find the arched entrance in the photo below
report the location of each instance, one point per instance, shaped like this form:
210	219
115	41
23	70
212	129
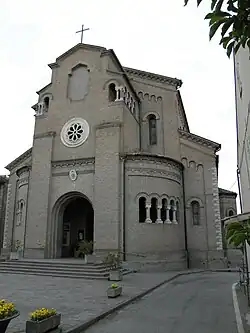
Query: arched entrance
77	224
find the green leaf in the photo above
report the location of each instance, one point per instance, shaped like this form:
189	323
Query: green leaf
219	5
214	28
226	26
213	4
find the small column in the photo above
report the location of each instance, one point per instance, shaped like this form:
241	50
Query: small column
159	220
174	215
167	219
148	220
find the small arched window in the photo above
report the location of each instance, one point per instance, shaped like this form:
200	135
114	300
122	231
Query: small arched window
195	208
231	212
142	209
152	129
164	210
46	103
153	210
177	211
112	92
171	210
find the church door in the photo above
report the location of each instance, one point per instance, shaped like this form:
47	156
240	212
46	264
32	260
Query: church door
78	225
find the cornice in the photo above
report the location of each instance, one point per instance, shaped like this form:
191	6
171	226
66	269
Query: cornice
108	125
77	162
23	170
158	173
45	135
154	77
42	89
19	159
156	159
200	140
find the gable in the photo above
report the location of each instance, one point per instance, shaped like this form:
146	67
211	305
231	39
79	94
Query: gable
20	160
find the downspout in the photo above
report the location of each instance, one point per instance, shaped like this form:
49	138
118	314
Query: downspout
124	210
185	220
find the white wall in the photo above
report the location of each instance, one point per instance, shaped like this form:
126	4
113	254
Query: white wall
242	81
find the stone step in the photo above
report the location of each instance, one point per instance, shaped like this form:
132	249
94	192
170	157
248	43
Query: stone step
56	269
61	275
83	267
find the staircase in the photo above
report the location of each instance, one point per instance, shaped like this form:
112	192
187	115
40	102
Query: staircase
76	269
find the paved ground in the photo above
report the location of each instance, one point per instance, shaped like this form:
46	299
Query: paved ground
77	300
190	304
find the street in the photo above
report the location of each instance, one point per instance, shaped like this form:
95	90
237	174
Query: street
190	304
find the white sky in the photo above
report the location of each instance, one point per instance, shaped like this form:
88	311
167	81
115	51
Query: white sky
160	36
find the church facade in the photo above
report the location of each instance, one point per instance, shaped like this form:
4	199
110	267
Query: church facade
113	160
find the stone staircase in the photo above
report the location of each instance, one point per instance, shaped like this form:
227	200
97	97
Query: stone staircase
57	268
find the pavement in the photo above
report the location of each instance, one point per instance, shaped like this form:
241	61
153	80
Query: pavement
189	304
79	301
242	309
83	302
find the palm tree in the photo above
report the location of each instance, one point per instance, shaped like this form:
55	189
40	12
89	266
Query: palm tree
237	233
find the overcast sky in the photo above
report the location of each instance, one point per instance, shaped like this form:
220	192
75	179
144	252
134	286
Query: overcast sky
160	36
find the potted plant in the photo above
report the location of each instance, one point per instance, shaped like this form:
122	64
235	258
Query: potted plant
113	263
18	250
43	320
82	249
7	313
114	291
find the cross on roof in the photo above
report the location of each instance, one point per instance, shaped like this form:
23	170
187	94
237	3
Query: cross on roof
81	31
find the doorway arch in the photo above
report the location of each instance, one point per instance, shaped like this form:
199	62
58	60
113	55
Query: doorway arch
74	219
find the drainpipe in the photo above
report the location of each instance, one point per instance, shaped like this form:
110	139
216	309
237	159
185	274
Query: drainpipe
185	220
123	211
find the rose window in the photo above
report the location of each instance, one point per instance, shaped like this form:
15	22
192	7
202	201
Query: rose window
75	132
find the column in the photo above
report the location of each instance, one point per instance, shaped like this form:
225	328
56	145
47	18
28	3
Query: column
167	219
174	215
159	214
148	219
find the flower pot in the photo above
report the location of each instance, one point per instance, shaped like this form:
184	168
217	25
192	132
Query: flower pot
115	275
114	292
14	255
43	326
5	322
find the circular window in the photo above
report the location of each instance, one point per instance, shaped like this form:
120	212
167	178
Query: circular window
75	132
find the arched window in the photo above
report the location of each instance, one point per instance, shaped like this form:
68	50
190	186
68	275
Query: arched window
152	129
171	210
153	210
230	212
112	92
164	210
177	211
195	208
46	103
142	209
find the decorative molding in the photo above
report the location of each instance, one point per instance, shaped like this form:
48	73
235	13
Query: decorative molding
200	140
151	98
45	135
23	170
182	114
145	117
155	173
155	160
190	200
107	125
22	182
6	240
66	173
42	89
216	208
70	163
73	175
154	77
19	160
